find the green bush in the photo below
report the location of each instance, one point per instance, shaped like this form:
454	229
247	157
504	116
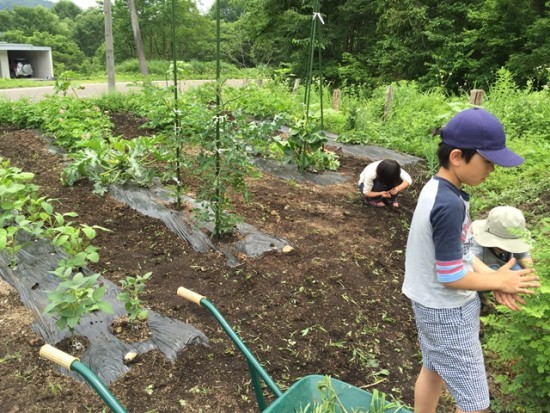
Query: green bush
335	121
272	99
155	67
521	341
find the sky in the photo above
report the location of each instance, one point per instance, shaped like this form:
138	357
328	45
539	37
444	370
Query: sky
203	5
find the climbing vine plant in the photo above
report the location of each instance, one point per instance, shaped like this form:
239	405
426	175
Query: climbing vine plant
223	161
306	139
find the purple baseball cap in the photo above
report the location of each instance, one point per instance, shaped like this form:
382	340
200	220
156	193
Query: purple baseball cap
476	128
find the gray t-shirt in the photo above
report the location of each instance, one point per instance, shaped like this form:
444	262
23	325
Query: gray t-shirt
438	247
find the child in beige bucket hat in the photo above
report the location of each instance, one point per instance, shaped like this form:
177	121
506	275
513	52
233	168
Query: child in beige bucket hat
501	237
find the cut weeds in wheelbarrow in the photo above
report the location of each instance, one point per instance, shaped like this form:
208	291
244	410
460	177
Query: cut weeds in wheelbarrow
310	394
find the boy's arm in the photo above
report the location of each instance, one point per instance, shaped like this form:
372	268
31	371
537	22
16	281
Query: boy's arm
383	194
480	266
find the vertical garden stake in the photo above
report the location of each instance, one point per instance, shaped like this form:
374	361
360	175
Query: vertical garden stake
218	203
312	43
176	110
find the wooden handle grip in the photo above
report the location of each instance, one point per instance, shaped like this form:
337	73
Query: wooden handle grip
190	295
57	356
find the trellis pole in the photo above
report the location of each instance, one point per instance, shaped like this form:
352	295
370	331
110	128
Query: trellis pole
217	212
313	42
177	125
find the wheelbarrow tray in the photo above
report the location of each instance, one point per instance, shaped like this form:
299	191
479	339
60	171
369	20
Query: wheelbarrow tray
306	392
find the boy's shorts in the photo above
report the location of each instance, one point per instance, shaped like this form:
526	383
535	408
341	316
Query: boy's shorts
449	340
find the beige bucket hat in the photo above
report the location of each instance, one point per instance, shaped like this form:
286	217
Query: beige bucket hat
504	228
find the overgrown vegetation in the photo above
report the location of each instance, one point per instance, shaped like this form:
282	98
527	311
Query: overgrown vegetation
519	343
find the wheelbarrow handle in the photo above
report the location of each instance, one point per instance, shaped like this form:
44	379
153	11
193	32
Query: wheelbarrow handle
57	356
72	363
190	295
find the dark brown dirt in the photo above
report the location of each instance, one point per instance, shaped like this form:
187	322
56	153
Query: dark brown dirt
332	306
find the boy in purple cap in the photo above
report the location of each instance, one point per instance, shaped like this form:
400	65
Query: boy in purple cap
442	275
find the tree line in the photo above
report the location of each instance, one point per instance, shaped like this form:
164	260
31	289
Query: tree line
454	44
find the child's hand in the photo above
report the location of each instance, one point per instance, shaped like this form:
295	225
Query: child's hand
516	282
394	191
511	301
386	194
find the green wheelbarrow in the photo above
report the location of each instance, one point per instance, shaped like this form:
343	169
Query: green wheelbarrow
310	394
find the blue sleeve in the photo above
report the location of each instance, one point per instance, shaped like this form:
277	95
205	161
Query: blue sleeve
447	219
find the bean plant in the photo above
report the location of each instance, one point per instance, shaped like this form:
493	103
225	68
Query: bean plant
132	289
17	193
22	210
74	298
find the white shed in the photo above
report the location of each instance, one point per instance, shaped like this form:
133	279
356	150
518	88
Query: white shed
40	57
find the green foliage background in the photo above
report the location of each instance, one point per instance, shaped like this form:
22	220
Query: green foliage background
455	45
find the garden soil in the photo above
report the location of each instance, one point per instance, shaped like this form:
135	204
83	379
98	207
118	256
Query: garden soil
332	306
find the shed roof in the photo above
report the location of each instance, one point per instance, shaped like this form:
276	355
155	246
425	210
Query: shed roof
21	46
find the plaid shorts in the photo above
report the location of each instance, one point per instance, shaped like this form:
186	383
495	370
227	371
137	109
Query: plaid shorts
449	341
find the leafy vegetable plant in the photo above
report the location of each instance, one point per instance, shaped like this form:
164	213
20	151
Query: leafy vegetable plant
75	297
132	287
305	147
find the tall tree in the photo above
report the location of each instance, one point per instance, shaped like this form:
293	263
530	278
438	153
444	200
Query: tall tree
140	52
66	9
109	45
502	27
230	10
32	19
194	32
89	31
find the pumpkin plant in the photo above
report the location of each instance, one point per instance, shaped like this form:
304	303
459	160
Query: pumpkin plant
115	161
305	147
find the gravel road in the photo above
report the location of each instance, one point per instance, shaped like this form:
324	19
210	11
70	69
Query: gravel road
97	89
